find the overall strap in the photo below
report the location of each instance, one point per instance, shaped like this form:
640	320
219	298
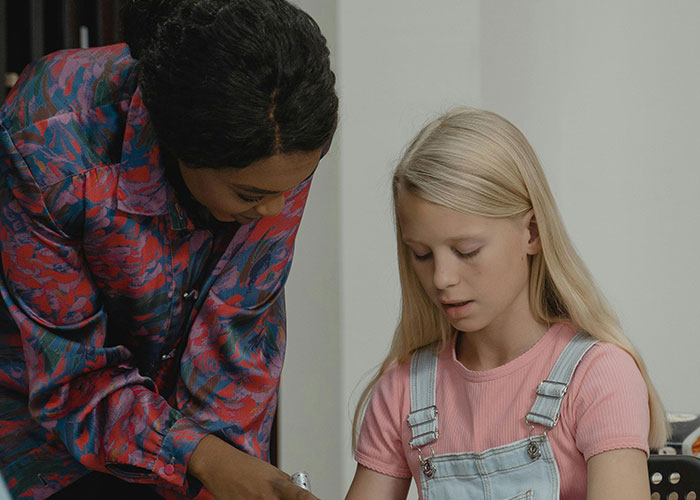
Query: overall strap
423	418
550	393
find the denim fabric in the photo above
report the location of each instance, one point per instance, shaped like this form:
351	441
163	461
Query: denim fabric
550	393
509	472
502	473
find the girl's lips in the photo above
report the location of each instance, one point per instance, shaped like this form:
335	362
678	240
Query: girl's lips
458	310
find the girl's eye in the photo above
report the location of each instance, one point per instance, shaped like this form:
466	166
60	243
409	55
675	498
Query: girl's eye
425	256
468	255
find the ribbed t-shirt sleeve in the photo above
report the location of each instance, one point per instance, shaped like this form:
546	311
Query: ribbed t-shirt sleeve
611	404
380	446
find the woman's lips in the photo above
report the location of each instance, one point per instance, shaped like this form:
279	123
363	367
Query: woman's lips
243	220
458	310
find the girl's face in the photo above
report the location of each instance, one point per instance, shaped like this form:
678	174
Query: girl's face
245	194
475	269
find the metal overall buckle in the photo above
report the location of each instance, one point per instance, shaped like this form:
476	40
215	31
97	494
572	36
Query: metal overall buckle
533	447
426	464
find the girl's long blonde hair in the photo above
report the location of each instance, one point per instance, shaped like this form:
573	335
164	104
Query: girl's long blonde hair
478	163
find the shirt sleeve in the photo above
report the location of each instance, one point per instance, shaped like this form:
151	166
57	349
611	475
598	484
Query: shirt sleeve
380	445
231	366
90	394
611	404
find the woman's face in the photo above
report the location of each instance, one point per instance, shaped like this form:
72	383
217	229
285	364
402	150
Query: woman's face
475	269
245	194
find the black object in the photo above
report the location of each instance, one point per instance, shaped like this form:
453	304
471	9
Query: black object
100	486
679	474
684	431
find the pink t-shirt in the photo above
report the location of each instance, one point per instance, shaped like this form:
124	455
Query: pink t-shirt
605	408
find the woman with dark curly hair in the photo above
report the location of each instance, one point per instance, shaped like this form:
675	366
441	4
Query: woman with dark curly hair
150	194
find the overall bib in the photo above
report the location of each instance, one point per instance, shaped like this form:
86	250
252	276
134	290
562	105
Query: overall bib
525	469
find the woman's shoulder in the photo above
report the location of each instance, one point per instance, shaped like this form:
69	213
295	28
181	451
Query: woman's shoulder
69	81
68	112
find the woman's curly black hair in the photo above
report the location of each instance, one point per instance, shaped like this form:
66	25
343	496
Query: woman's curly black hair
228	82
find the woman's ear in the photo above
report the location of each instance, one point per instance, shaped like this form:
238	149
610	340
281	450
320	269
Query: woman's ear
534	244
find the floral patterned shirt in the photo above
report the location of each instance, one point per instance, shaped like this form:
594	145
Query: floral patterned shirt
128	329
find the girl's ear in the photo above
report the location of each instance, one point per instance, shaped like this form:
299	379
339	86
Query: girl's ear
534	245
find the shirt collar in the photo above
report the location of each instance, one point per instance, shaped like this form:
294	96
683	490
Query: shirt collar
142	186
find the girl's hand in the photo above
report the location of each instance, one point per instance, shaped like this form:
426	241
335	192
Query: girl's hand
230	474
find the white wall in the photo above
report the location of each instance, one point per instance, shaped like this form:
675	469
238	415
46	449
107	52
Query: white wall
606	91
310	403
401	62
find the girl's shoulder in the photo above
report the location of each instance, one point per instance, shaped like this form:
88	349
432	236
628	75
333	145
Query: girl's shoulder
602	355
604	370
604	365
392	388
608	402
398	373
395	378
606	359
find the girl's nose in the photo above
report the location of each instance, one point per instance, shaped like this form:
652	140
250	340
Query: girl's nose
270	206
444	274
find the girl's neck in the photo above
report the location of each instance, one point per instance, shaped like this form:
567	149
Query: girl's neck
502	341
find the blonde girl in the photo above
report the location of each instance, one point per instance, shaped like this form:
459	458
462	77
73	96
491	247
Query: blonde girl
509	376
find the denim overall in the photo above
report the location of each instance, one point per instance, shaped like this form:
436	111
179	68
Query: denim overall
525	469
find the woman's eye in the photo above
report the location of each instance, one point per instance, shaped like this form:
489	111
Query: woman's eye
249	199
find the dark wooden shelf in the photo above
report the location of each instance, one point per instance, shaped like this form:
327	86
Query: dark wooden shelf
30	29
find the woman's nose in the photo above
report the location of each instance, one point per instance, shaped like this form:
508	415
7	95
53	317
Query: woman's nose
270	206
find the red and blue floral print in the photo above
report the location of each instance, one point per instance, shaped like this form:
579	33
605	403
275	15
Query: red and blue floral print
127	331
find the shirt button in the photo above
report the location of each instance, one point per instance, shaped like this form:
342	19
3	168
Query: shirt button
169	469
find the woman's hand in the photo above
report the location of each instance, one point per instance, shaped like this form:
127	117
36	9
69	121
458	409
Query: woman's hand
230	474
620	474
